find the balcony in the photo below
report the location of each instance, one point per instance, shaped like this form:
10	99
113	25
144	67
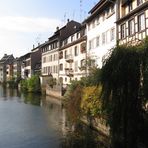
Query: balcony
69	72
83	48
69	58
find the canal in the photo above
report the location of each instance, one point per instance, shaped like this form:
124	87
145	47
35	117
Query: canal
35	121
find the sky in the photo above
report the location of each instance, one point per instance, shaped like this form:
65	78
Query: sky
24	23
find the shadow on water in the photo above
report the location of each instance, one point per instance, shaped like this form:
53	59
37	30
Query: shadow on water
75	135
9	93
34	99
83	137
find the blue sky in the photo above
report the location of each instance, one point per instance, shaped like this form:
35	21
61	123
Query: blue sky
27	22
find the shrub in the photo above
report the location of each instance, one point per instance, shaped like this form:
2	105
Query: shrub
31	85
91	102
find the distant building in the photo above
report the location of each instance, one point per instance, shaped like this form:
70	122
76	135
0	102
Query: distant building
26	66
132	21
6	68
17	69
101	30
31	63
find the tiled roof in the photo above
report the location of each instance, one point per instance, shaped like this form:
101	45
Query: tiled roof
5	58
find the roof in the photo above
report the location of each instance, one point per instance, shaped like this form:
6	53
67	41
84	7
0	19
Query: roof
64	32
98	8
5	58
26	55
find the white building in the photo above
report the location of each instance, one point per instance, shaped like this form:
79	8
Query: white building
26	66
101	30
72	57
50	50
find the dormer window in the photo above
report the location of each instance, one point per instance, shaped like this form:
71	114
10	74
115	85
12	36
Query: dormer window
130	6
103	16
139	2
107	11
72	38
112	8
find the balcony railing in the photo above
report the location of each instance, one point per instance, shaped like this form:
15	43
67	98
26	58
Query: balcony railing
69	72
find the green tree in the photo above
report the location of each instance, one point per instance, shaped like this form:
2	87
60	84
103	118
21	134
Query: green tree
124	77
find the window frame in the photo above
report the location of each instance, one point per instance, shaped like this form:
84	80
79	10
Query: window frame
123	28
131	27
141	26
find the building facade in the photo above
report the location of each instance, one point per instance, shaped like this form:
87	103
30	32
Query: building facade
26	66
17	69
72	57
101	30
50	50
6	68
132	21
31	63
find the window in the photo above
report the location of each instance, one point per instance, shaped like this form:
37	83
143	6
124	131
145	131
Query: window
89	26
112	34
93	24
123	10
44	59
72	38
48	69
103	16
50	57
123	31
130	6
103	38
97	41
107	11
98	21
139	2
131	27
65	54
61	67
76	66
76	51
91	44
141	22
61	55
77	35
112	8
65	42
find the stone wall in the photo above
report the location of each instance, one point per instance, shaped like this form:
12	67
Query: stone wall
56	91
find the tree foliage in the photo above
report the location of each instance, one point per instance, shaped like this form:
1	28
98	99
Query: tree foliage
124	84
72	100
31	84
91	102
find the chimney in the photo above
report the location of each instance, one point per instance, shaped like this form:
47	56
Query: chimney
67	20
33	46
38	44
57	28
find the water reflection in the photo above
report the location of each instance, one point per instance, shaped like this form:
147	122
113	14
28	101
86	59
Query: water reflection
74	135
82	137
40	122
34	99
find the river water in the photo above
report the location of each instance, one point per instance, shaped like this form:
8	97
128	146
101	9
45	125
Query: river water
35	121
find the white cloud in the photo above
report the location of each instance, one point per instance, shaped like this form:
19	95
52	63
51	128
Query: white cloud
27	24
18	34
